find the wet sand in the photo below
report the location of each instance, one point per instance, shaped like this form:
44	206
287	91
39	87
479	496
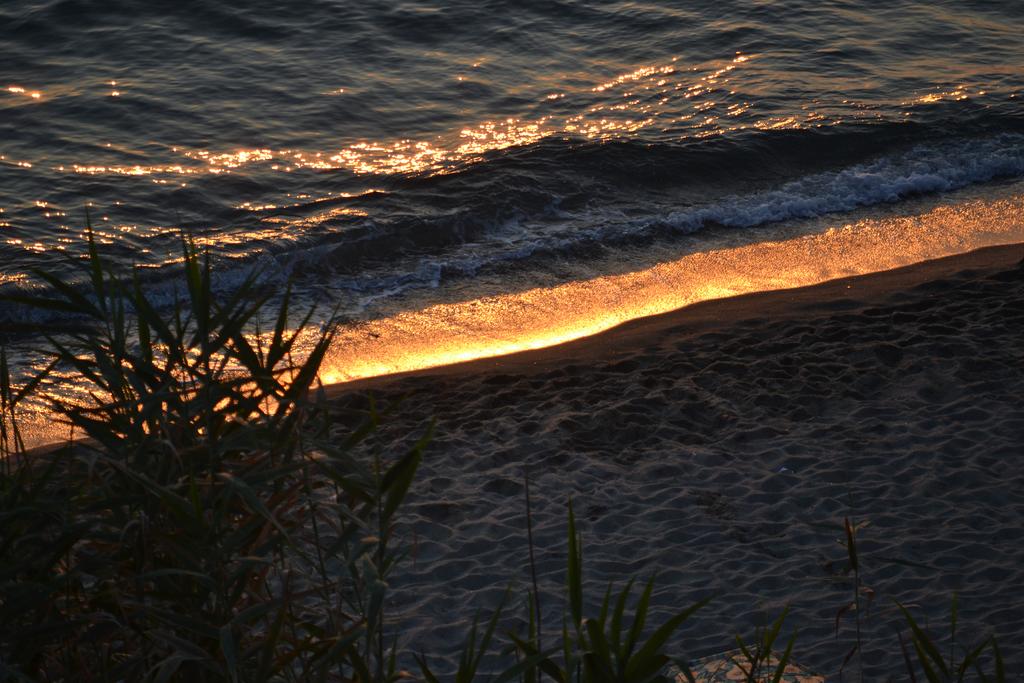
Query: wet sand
722	445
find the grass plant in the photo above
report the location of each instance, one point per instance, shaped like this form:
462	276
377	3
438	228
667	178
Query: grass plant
186	537
928	660
757	661
607	647
859	594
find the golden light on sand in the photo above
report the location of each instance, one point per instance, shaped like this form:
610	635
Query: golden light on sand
499	325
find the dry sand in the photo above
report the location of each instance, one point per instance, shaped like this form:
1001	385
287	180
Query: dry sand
722	445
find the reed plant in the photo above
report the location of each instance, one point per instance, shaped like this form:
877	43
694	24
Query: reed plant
860	594
187	536
983	659
924	657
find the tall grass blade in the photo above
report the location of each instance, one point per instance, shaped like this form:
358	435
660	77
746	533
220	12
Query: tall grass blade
780	670
649	659
616	626
924	644
639	618
851	544
536	615
906	658
574	578
998	657
398	479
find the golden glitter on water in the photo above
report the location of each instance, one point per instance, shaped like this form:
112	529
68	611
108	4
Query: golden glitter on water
507	323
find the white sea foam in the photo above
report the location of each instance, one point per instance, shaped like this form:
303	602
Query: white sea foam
923	169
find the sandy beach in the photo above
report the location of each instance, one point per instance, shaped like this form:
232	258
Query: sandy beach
722	445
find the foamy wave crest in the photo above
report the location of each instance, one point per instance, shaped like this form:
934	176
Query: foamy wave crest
921	170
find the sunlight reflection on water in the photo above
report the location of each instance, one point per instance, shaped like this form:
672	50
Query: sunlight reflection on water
507	323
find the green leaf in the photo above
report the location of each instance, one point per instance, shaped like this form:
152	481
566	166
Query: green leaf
428	675
971	658
467	675
524	665
596	670
646	662
921	642
684	668
1000	667
95	264
929	672
167	667
906	658
252	499
544	662
229	649
639	619
599	646
851	544
41	303
278	348
616	628
604	605
270	643
784	660
772	634
192	625
204	579
574	578
398	478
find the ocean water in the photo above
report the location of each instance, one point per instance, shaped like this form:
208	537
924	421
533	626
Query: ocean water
388	156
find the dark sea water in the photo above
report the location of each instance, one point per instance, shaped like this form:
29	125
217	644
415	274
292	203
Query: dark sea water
373	149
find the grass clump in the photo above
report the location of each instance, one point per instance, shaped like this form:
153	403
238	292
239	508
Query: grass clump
603	648
928	660
186	537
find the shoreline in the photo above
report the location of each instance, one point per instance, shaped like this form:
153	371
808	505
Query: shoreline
785	256
706	315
